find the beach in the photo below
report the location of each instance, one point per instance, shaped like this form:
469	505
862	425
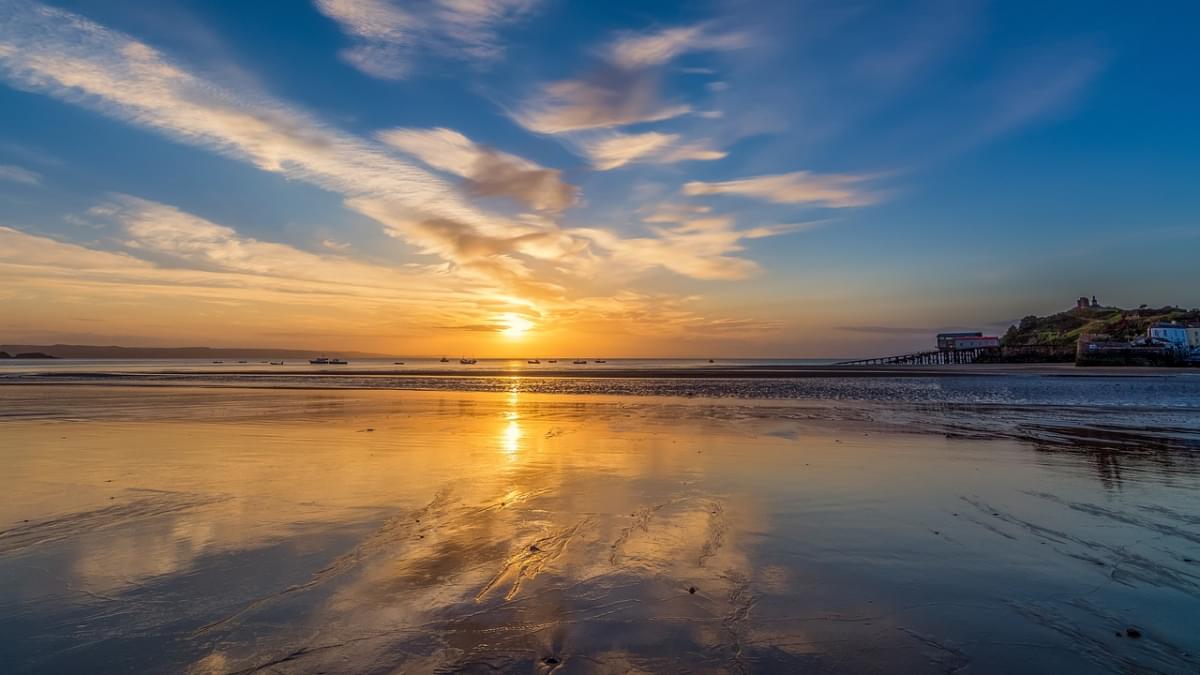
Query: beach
976	521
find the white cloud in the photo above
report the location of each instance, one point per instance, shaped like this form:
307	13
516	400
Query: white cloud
654	48
617	149
17	174
798	187
488	172
69	57
389	34
55	52
607	100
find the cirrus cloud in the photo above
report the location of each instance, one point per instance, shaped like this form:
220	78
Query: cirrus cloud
797	187
488	172
390	34
17	174
617	149
654	48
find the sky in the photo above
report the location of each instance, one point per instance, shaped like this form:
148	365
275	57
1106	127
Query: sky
543	177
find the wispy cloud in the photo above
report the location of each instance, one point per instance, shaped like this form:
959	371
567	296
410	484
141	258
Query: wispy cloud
625	88
18	174
614	149
390	34
488	172
67	56
696	245
656	47
798	187
607	99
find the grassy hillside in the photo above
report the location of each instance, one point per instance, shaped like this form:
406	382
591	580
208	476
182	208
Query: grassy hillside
1112	323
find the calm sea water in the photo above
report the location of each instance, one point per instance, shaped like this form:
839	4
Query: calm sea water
10	366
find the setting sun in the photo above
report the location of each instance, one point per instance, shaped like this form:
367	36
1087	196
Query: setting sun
515	326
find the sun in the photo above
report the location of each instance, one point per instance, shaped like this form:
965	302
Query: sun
515	326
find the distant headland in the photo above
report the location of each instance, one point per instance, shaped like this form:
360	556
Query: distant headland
1089	334
1095	334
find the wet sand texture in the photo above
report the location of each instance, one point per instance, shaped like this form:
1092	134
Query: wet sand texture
237	531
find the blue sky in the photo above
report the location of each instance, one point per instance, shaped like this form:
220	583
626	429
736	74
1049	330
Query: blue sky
733	178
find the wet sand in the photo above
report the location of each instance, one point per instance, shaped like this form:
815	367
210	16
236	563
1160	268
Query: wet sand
208	530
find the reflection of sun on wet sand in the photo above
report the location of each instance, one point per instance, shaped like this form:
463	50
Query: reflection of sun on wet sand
267	531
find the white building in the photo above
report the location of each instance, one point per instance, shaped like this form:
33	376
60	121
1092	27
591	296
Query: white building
1172	333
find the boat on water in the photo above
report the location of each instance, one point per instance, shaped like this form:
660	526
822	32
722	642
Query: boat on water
553	361
277	363
319	361
397	363
241	361
534	361
445	360
338	362
467	362
601	361
218	362
579	362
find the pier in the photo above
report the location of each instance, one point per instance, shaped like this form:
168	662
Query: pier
936	357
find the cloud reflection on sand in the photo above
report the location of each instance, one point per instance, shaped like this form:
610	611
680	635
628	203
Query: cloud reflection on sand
435	531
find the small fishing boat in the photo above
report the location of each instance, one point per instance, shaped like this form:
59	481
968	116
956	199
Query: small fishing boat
319	361
397	363
533	361
445	360
338	362
553	360
579	362
218	362
467	362
277	363
601	361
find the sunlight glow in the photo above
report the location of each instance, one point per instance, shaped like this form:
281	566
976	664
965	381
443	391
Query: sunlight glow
511	439
515	325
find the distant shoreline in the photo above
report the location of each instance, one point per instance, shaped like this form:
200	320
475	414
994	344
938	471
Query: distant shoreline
700	372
